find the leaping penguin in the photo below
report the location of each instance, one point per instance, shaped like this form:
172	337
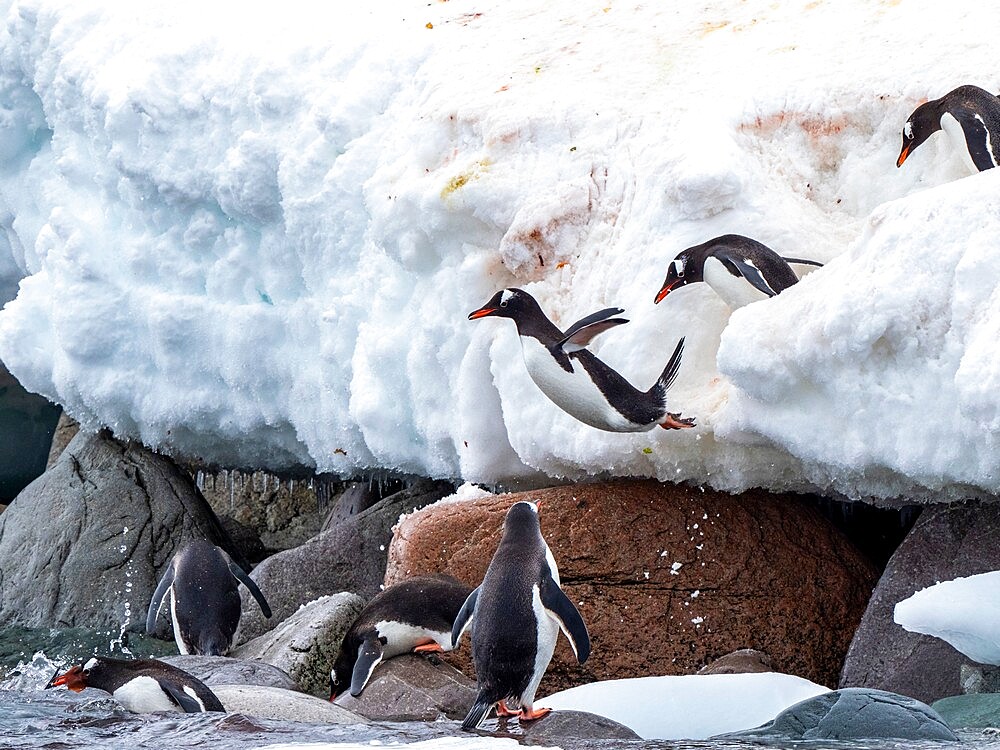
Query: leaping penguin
518	611
204	599
141	685
739	269
413	615
577	381
971	118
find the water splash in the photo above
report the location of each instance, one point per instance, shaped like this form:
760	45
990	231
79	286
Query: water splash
34	674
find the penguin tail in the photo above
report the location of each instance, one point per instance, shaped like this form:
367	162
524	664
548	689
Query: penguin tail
669	374
477	713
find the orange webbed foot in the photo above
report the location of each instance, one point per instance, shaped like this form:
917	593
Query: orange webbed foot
677	422
531	714
428	648
503	711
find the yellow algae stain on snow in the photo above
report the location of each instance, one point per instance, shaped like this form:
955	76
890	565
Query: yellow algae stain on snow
709	26
464	178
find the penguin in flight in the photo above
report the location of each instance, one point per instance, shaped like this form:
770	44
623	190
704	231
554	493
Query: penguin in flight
413	615
204	599
577	381
740	270
141	685
971	118
517	613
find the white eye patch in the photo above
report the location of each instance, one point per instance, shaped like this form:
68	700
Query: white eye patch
678	266
908	130
505	297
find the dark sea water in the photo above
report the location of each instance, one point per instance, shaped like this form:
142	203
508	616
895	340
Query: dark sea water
31	717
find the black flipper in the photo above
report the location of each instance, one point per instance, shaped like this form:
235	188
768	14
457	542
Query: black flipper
976	137
251	585
157	599
464	617
802	261
477	713
748	271
582	331
182	699
558	605
669	374
369	657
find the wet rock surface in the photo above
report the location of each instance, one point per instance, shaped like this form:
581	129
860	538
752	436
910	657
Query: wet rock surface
114	514
946	542
274	703
977	711
666	577
223	670
349	557
413	688
852	714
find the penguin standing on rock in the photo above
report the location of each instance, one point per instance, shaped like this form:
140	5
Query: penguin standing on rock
516	614
739	269
971	118
141	685
577	381
204	599
413	615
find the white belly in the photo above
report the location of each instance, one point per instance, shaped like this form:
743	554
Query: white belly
548	632
573	392
953	129
178	639
735	291
401	637
143	695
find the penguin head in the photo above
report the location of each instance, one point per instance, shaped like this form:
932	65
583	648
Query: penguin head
922	124
340	675
77	677
522	516
507	303
686	268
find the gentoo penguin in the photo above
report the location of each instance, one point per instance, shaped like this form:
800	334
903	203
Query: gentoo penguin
414	615
518	612
574	379
204	599
141	685
971	118
740	270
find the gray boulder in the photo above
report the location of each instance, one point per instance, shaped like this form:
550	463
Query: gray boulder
351	556
851	714
306	644
224	670
413	688
274	703
740	661
947	541
978	711
94	533
560	726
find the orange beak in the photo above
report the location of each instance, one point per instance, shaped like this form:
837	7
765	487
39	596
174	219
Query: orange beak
662	293
902	156
72	678
482	312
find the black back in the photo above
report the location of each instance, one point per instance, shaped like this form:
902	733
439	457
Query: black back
504	632
110	674
963	102
207	598
775	269
426	601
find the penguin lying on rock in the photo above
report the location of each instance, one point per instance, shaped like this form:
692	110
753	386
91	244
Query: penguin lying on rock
739	269
574	379
971	118
141	685
414	615
517	613
204	599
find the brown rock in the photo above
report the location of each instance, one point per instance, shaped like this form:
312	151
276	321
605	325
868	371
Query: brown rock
739	662
667	577
413	688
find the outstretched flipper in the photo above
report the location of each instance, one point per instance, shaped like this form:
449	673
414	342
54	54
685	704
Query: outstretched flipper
977	138
558	605
802	261
585	329
369	657
748	271
182	699
247	581
157	599
464	617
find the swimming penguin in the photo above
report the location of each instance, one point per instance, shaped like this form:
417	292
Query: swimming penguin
141	685
740	270
574	379
971	118
518	612
414	615
204	599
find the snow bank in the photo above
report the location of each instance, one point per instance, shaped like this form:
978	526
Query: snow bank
253	233
691	707
964	612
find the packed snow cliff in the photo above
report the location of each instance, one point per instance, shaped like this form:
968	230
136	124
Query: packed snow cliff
253	233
